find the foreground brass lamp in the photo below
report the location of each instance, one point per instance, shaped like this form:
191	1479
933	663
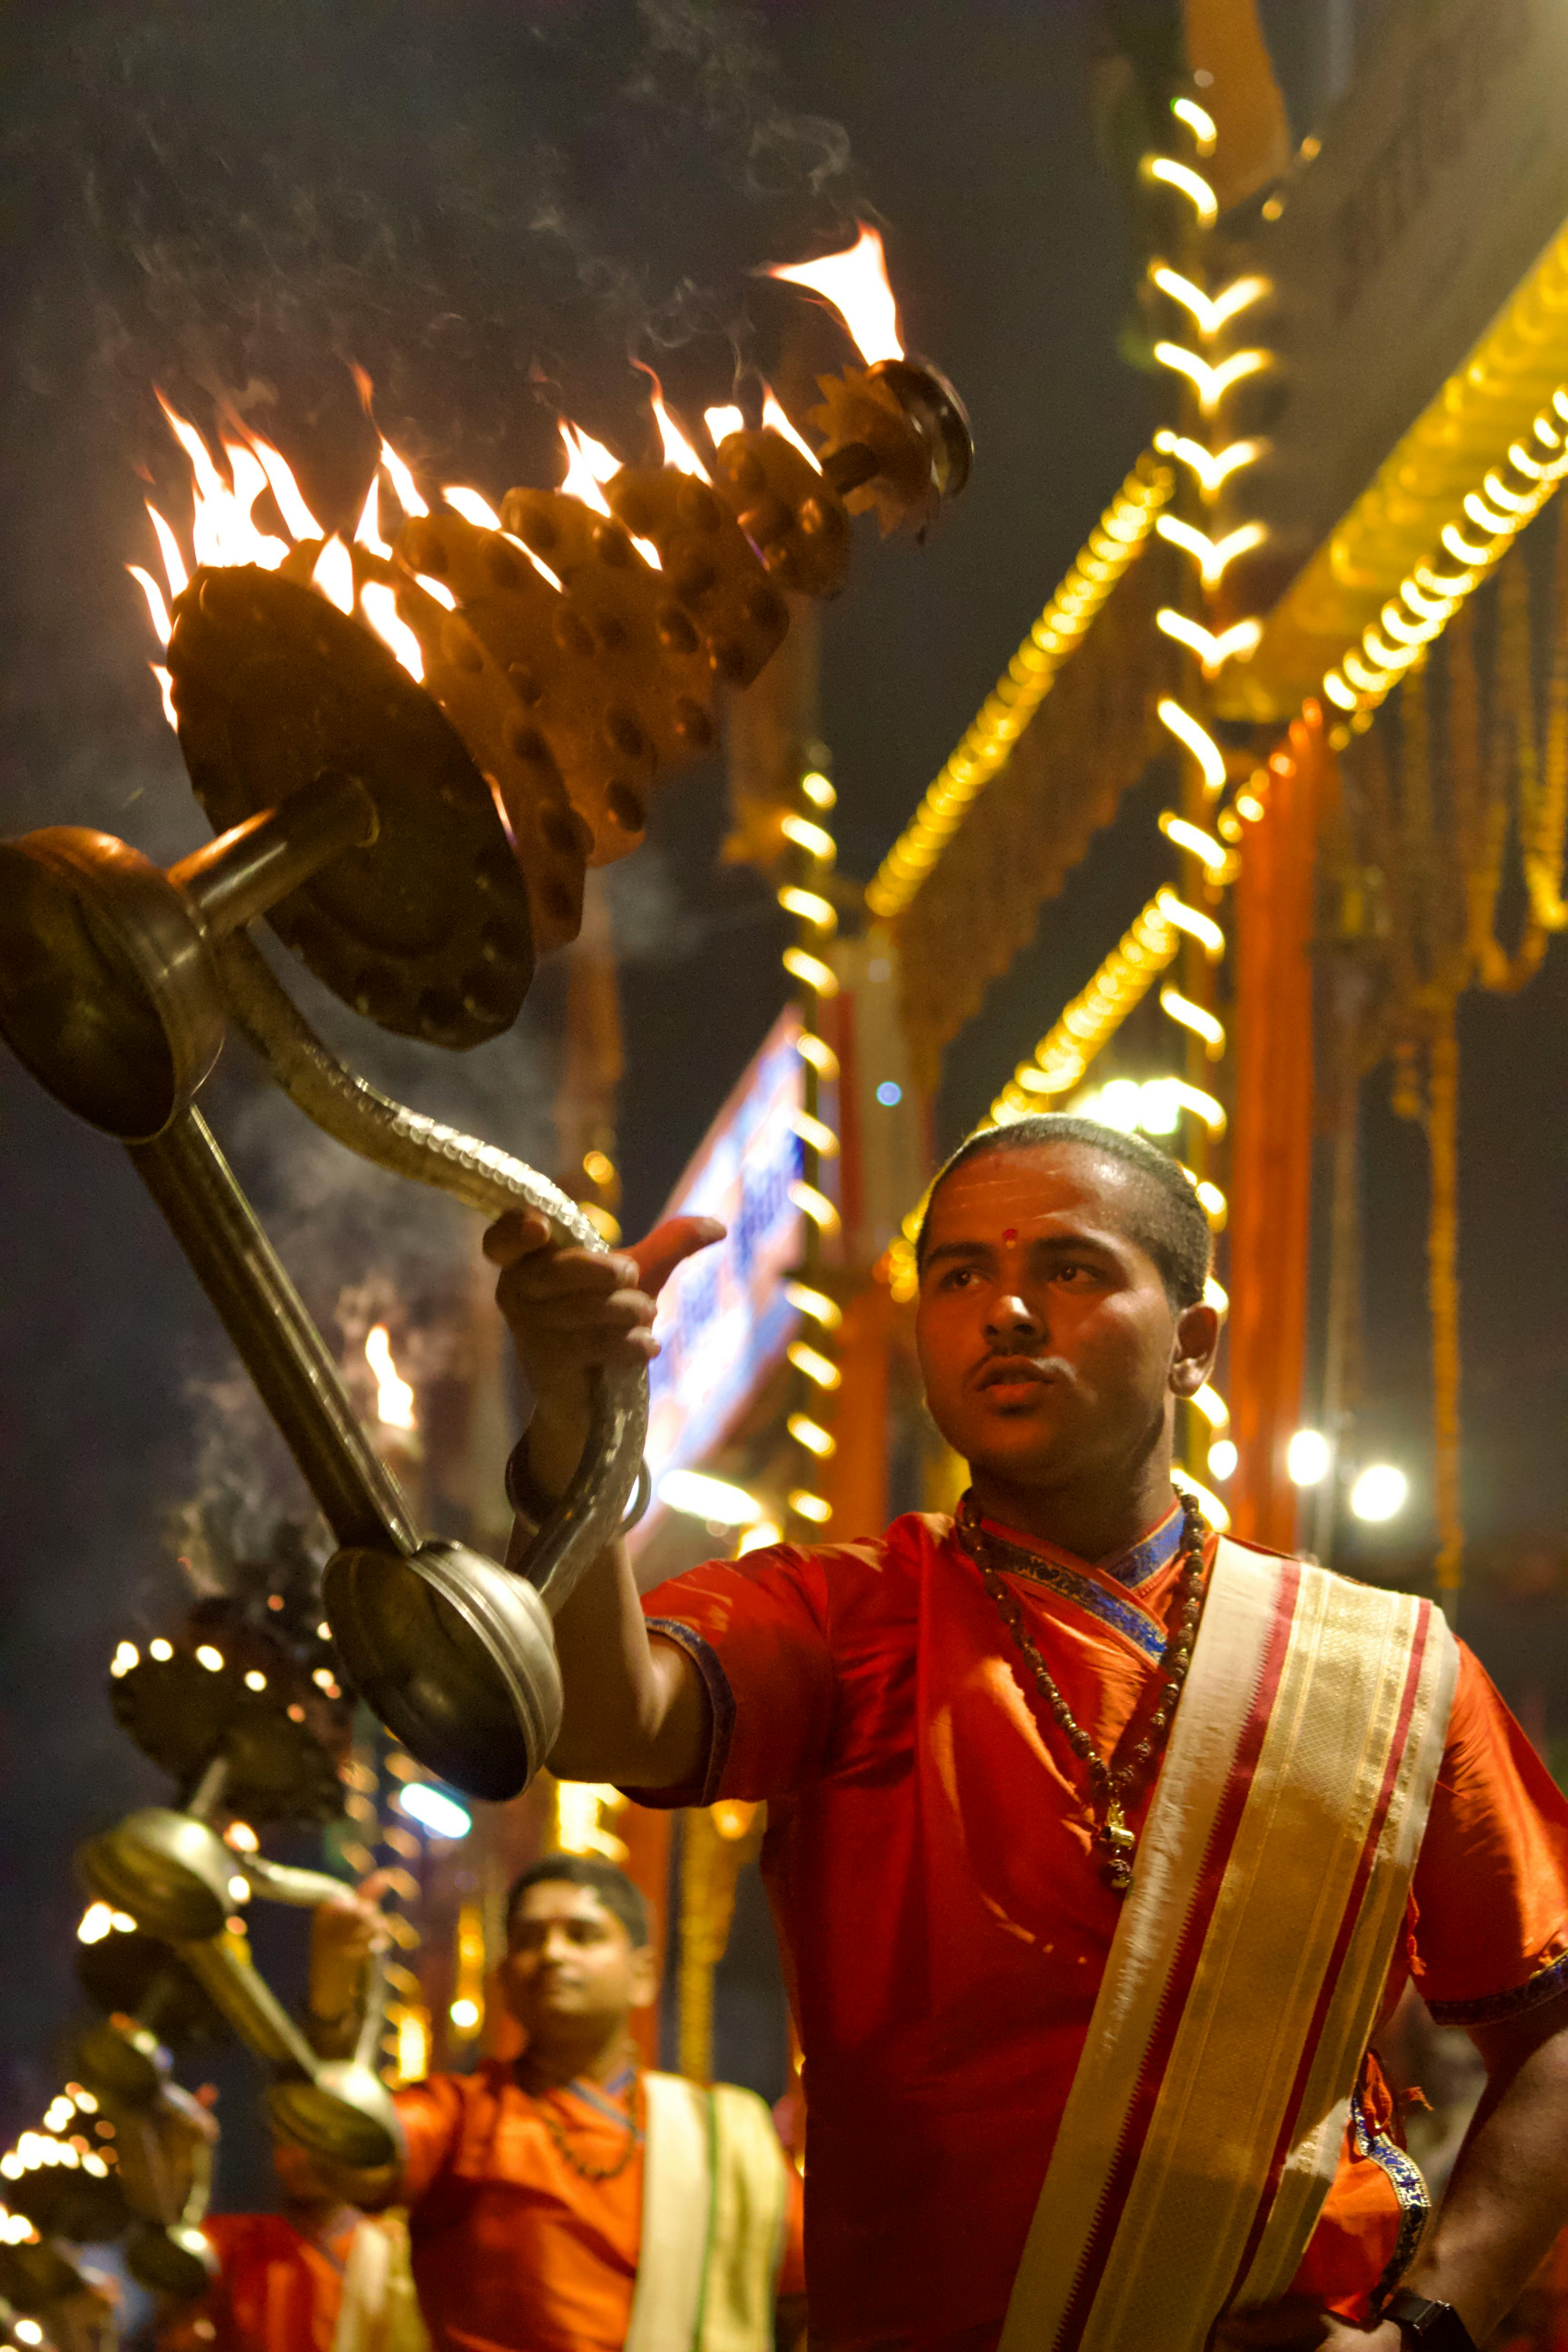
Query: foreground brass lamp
412	805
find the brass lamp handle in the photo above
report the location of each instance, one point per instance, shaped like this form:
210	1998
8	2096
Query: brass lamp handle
367	1122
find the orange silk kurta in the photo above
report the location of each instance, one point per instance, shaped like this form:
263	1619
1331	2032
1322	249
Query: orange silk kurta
930	1863
277	2292
513	2250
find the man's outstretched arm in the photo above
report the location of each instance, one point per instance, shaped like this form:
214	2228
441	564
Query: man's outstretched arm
1506	2202
637	1713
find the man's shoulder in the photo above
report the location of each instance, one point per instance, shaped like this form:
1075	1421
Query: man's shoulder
454	2096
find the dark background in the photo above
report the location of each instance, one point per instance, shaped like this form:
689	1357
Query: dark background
489	206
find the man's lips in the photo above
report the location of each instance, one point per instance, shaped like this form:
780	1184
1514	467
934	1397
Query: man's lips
1016	1371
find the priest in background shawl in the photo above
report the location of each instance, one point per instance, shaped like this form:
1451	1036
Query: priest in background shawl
564	2201
1097	1848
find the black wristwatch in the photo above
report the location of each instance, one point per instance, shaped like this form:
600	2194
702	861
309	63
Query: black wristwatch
1434	2326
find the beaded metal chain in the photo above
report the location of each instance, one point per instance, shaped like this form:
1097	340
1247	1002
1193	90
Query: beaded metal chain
598	2172
1112	1785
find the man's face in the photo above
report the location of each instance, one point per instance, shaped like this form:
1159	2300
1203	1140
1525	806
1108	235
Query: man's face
1048	1344
571	1967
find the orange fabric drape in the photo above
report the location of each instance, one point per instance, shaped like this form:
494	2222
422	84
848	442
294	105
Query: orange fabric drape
855	1480
1271	1166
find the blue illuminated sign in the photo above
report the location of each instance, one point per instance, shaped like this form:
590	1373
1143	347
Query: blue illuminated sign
724	1319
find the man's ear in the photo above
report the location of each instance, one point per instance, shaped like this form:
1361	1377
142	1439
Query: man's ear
645	1977
1197	1346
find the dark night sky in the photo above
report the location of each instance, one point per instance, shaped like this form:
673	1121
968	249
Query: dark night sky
253	195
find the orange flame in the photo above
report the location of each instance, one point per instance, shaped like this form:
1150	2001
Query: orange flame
174	570
723	422
367	530
483	515
163	627
678	450
856	283
334	574
379	604
408	496
297	516
222	531
393	1397
471	507
774	417
588	464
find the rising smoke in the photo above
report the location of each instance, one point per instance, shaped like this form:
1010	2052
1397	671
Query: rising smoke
490	205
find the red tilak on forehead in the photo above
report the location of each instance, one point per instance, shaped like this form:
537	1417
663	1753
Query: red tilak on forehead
1011	1234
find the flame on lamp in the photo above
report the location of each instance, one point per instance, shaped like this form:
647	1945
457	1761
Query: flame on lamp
588	464
774	417
393	1397
378	603
483	515
855	283
723	422
334	574
678	450
408	498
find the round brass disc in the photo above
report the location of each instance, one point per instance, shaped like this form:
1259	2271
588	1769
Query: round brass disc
426	933
180	1716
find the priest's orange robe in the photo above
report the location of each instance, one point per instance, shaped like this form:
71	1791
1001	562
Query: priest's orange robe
931	1862
513	2249
277	2290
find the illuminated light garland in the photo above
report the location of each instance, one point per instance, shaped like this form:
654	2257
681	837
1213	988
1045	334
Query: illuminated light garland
815	1303
1209	315
1210	382
1196	925
812	1435
820	1369
814	839
805	1505
988	742
811	906
1168	174
1213	556
1210	469
1231	644
815	974
1199	122
1197	739
1201	1023
820	1137
1214	855
1505	395
816	1205
820	1054
1213	1406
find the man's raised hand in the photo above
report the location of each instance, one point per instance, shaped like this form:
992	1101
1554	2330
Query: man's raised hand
573	1311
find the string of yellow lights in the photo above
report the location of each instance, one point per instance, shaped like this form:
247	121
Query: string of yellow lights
1175	922
811	1356
1117	540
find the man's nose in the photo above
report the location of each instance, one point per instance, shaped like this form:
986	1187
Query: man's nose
1012	1317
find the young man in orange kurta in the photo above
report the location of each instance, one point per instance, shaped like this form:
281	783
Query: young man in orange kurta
524	2181
935	1850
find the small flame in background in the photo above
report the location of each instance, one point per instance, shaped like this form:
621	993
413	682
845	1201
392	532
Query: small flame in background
393	1397
856	283
225	529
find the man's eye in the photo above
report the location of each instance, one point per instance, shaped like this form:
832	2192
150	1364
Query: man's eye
957	1276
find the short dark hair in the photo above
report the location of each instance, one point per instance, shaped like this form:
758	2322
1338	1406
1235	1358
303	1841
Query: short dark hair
613	1887
1167	1222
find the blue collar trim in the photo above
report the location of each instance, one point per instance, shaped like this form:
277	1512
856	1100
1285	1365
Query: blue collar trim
1149	1554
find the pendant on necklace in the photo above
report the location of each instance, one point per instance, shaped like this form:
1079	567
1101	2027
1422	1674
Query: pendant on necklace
1121	1844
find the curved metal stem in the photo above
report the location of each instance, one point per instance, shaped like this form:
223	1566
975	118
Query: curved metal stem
277	1343
588	1514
